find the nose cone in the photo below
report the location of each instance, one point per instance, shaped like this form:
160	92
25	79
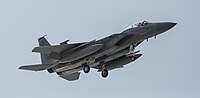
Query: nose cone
168	25
164	26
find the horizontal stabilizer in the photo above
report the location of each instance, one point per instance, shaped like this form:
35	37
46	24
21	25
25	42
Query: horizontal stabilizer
71	77
37	67
55	48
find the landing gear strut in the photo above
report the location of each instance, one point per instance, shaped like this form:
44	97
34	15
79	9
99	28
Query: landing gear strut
104	73
86	68
50	70
133	58
131	51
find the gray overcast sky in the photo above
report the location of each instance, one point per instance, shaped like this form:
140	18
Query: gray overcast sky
169	67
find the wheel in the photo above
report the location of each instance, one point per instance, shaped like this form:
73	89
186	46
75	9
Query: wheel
133	58
59	73
50	70
86	68
104	73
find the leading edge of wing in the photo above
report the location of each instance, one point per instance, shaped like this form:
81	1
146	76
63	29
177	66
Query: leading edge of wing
55	48
36	67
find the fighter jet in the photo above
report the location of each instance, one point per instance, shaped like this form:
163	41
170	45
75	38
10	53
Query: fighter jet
115	51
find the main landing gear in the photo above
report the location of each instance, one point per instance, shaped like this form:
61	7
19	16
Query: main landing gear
50	70
104	73
86	68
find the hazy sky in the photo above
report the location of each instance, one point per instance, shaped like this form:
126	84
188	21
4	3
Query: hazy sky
169	67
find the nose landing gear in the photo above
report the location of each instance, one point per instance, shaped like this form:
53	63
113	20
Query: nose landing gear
132	52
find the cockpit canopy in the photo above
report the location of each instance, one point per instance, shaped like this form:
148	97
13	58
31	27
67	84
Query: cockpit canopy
142	23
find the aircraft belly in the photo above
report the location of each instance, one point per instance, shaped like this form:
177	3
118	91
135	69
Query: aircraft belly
79	63
82	53
116	55
112	53
72	70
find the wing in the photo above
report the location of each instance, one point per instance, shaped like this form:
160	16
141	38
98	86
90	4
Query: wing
55	48
115	38
71	77
112	39
37	67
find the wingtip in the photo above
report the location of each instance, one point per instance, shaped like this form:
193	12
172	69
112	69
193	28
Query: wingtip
42	37
33	50
20	67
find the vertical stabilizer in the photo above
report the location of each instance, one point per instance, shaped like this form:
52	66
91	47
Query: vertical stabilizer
45	57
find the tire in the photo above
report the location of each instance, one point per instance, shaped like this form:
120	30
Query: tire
86	68
133	58
104	73
50	70
59	73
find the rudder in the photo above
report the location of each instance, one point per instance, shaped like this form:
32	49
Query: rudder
45	57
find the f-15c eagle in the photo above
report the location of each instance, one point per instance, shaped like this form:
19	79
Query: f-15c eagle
114	51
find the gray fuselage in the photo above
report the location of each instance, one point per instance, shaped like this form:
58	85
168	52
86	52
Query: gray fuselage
116	46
